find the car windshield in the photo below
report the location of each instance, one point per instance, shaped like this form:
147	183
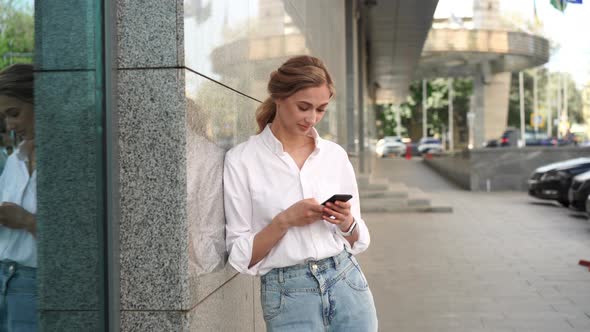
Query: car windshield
431	141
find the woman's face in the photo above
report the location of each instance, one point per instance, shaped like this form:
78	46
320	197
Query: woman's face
300	112
18	116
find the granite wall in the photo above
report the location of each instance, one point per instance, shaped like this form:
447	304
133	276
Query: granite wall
70	176
190	75
500	168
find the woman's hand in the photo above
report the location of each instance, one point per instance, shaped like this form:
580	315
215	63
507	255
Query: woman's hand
338	213
304	212
15	217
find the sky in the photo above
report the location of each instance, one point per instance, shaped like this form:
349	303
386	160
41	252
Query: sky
569	29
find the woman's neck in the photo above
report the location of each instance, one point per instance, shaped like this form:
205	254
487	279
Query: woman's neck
290	142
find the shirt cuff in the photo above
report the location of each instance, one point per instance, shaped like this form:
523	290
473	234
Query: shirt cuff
241	255
362	243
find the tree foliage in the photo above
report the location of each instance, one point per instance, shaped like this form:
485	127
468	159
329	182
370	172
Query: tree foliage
574	96
16	33
437	113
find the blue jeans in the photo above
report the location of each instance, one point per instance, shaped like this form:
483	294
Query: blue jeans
331	294
18	297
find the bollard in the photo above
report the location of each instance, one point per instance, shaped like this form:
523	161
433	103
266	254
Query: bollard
408	152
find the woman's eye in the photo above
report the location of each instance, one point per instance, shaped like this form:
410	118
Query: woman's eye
321	110
303	108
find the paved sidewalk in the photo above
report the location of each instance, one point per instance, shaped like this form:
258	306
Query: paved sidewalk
500	262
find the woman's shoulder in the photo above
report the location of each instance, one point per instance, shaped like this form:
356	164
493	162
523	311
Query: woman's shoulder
243	150
335	148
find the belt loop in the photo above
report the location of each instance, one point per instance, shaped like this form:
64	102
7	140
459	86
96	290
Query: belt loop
281	278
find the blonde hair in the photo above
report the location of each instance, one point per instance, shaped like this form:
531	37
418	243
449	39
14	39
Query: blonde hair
298	73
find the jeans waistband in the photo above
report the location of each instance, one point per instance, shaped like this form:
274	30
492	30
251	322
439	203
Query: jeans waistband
309	265
7	266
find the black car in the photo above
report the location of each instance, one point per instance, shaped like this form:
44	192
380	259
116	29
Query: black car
579	191
553	181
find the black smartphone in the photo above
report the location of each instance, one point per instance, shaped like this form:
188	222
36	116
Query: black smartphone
338	197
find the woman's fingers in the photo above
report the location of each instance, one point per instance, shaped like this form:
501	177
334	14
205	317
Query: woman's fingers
333	213
342	209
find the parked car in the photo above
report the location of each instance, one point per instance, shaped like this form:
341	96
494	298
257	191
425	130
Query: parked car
390	146
430	145
491	143
579	191
511	136
553	181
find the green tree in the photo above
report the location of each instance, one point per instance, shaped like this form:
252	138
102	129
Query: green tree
16	33
575	102
438	116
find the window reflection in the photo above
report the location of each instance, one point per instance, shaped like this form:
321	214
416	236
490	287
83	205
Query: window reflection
18	176
18	203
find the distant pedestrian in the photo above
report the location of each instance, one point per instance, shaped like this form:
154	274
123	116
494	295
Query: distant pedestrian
18	205
276	227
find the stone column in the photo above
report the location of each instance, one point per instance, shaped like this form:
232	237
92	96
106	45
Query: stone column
491	90
491	106
69	145
172	220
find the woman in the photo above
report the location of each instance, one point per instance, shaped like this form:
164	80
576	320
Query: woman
18	205
276	227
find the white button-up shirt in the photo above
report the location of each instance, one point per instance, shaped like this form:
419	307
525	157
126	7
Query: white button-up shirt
16	186
261	180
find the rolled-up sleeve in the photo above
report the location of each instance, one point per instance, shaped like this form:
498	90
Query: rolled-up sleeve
239	237
364	239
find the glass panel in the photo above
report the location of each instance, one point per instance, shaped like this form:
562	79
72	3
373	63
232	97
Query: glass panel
52	162
239	45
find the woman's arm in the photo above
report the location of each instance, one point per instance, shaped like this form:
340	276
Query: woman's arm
267	238
16	217
304	212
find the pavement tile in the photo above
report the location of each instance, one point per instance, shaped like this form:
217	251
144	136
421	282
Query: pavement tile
499	262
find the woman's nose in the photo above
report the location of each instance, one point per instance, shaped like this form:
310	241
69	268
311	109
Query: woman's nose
311	118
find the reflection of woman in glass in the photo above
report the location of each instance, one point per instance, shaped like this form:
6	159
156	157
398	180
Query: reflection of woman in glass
18	199
3	143
276	228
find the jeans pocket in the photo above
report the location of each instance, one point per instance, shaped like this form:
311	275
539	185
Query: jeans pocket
272	303
355	277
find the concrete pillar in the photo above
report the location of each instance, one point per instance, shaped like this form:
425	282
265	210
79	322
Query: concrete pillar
491	91
491	106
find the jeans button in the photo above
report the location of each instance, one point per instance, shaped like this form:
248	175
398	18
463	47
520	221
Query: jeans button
11	268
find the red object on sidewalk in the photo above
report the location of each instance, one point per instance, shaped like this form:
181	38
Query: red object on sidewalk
408	152
584	263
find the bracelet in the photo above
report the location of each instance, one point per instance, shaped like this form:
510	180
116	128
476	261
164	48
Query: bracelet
350	229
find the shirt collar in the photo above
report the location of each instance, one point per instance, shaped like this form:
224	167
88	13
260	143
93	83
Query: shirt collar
23	150
276	146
